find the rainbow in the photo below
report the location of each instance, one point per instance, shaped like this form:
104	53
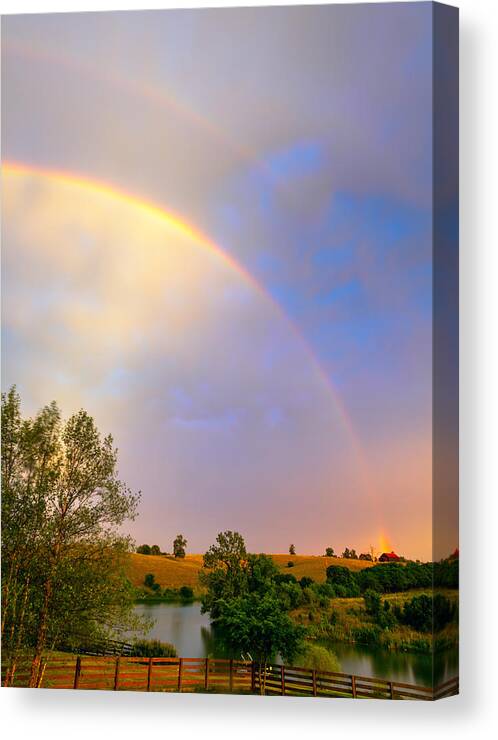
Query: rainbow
156	96
185	229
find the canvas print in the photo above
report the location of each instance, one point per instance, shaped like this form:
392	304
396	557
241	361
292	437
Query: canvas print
230	351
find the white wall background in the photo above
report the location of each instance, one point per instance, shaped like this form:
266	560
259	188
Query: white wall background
95	715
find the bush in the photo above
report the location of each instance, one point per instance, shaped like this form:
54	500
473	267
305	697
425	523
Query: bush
306	581
425	614
343	581
143	549
153	649
372	602
318	658
290	564
366	635
186	593
285	578
149	580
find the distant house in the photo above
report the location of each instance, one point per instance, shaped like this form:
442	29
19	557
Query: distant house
388	557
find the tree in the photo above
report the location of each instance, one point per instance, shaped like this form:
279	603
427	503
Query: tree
306	581
257	624
62	552
366	556
329	552
346	554
149	580
343	581
156	550
292	549
372	602
179	545
224	576
144	550
186	593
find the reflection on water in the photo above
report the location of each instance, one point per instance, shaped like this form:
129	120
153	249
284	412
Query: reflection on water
415	668
193	637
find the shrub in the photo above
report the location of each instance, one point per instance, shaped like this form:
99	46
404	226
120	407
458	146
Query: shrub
318	658
343	581
290	564
306	581
285	578
372	602
153	649
367	635
186	592
149	580
143	549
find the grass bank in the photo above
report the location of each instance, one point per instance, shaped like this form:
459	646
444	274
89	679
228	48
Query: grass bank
346	620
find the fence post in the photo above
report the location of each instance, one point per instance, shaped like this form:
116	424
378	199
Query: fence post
149	674
353	686
253	677
315	693
116	674
180	665
391	692
77	672
282	680
206	675
230	679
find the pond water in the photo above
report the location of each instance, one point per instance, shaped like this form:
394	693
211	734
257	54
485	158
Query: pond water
191	633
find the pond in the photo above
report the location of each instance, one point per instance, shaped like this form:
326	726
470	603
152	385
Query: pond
193	637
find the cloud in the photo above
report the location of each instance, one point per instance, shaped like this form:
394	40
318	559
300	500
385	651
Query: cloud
298	138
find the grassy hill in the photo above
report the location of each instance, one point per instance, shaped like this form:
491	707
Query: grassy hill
171	572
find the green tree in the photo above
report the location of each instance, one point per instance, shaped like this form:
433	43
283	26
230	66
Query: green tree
63	555
144	550
257	624
292	549
156	550
149	580
319	658
329	552
225	576
372	602
186	593
179	546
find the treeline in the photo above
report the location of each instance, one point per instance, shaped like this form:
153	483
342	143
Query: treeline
154	590
424	612
179	548
392	577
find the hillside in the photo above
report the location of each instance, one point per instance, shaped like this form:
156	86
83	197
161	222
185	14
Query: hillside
170	572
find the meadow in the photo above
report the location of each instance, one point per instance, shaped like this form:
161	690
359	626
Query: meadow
171	572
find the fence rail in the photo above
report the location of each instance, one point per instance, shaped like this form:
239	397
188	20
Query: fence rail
124	673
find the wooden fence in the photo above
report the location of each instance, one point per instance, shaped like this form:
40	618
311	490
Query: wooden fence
125	673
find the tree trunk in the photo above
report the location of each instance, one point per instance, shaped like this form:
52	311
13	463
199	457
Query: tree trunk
42	634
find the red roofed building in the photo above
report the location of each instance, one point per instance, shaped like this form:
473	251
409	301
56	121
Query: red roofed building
388	557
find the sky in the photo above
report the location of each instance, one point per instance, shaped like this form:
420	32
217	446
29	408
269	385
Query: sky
217	240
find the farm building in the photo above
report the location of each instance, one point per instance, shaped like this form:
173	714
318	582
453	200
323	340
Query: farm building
388	557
